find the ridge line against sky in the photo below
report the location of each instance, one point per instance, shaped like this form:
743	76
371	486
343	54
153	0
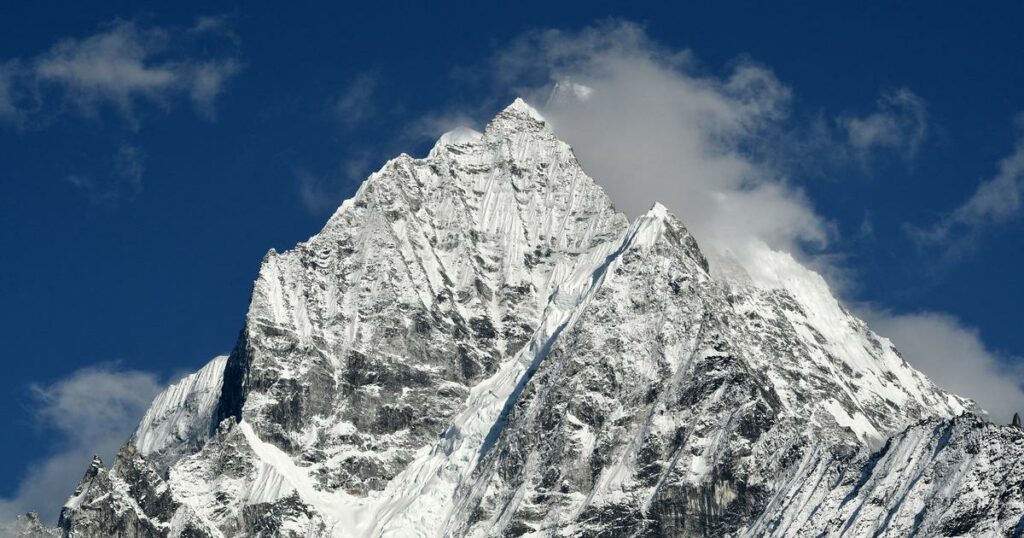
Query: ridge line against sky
762	165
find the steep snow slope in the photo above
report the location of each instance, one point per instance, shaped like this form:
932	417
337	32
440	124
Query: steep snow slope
478	343
673	404
180	419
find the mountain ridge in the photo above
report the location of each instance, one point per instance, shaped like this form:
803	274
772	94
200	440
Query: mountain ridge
477	343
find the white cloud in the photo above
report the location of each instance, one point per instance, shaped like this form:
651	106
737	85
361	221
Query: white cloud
125	65
109	65
899	123
956	358
93	411
997	200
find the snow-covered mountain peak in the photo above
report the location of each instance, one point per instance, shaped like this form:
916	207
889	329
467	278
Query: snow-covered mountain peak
519	106
478	343
659	221
516	120
659	210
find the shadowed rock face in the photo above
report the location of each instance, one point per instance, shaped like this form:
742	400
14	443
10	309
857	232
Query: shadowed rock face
479	344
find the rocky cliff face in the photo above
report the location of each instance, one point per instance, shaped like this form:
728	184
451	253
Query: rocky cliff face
479	344
959	477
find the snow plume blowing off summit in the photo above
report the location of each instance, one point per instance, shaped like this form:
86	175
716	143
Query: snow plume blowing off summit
478	343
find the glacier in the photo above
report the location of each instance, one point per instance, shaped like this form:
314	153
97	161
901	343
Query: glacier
478	343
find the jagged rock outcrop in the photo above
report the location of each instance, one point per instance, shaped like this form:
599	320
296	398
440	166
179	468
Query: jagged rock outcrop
129	499
479	344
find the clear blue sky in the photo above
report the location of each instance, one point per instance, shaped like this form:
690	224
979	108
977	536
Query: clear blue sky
132	224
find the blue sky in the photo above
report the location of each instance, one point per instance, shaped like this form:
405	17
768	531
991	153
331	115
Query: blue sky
151	155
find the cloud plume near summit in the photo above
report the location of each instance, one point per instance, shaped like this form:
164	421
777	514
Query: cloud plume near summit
653	124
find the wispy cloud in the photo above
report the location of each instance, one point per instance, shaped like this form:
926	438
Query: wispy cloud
214	24
208	80
8	110
125	66
997	200
321	193
121	182
129	163
127	70
899	123
92	411
355	104
111	65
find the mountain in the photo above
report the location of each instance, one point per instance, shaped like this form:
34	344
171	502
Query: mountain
479	344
